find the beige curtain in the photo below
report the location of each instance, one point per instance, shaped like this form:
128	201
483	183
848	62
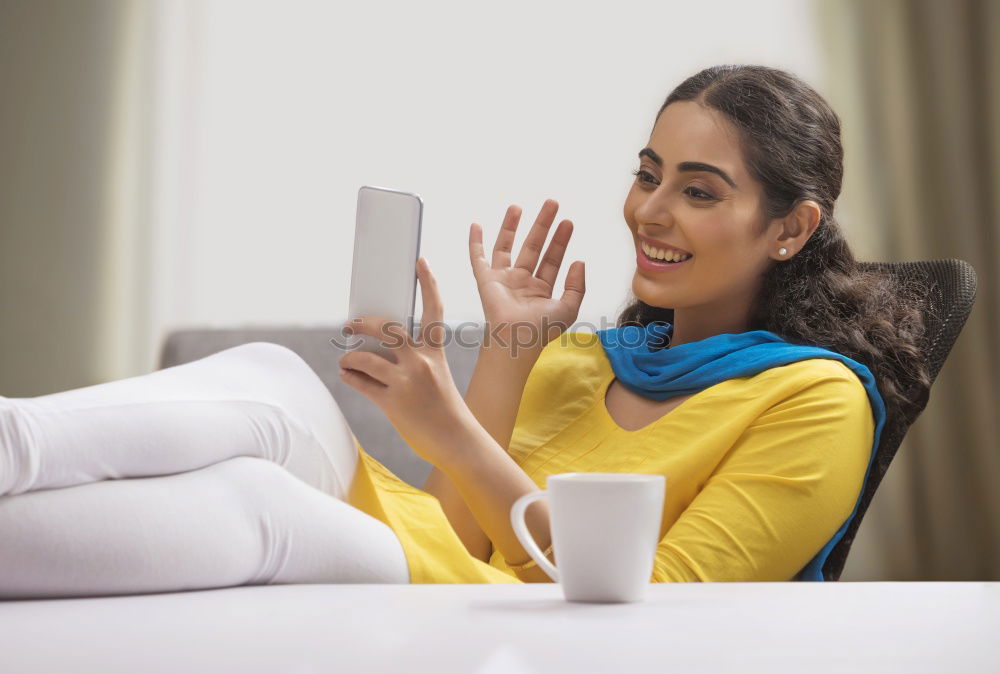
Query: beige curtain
917	86
74	255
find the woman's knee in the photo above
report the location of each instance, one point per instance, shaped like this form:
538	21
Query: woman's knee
284	378
271	354
283	368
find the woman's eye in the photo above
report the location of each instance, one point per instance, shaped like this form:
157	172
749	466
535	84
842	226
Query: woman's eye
644	176
701	195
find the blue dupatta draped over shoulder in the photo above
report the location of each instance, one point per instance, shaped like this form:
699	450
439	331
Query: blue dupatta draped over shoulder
643	364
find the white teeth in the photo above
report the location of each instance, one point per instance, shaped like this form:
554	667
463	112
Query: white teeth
663	254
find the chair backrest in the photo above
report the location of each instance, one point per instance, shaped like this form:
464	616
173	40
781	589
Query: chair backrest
949	291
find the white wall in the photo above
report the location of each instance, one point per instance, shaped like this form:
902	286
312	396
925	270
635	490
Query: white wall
274	113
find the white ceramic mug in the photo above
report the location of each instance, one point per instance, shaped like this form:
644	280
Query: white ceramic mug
605	529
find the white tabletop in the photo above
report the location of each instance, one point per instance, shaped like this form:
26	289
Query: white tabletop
513	629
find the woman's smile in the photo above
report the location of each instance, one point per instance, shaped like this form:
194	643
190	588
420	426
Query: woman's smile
658	256
659	259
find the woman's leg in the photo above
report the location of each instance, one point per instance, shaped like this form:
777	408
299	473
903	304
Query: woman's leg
239	521
260	400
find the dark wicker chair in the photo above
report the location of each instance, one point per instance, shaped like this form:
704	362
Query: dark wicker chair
950	290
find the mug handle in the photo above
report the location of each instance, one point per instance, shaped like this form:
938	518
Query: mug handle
523	535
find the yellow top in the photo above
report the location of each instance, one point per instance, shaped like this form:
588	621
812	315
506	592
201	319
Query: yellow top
761	471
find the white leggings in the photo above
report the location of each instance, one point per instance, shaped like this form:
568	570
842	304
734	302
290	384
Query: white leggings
238	465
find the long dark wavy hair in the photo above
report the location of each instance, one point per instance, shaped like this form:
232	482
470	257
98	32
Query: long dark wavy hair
790	139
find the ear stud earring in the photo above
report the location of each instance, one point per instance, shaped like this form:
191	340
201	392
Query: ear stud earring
782	251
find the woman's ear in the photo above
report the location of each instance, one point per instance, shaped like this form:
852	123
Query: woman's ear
796	228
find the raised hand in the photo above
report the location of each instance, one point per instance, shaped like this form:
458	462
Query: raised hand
522	294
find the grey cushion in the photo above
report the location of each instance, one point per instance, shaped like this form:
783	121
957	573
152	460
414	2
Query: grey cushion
370	425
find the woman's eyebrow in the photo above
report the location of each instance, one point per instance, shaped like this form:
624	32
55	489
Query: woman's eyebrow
688	165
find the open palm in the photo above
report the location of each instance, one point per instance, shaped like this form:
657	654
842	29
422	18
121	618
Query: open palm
522	294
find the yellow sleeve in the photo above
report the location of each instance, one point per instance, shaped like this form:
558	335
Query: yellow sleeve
559	388
780	493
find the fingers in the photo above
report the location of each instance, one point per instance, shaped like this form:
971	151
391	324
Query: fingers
574	287
477	255
363	384
505	239
533	243
432	320
376	369
392	334
552	260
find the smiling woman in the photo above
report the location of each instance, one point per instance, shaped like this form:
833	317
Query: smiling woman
738	253
756	388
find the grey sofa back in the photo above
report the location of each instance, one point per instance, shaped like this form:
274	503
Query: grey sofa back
370	425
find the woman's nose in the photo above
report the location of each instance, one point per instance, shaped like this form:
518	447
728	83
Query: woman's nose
655	210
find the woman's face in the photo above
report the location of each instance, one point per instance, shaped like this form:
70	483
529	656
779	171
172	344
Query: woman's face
693	194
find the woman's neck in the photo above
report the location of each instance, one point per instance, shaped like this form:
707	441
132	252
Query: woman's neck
698	323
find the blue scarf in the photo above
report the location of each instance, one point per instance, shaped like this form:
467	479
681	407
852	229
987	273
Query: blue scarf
643	365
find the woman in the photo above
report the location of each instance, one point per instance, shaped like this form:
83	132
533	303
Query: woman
737	254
